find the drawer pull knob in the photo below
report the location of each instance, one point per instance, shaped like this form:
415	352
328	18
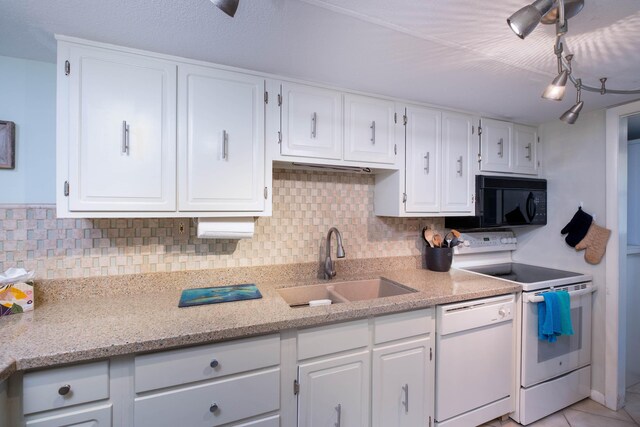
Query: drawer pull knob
213	408
214	363
64	390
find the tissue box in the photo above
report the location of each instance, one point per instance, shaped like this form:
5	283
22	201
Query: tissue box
16	298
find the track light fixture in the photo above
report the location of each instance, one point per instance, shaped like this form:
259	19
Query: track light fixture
227	6
571	115
557	12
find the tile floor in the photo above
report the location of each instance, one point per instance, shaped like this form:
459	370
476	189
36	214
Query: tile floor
588	413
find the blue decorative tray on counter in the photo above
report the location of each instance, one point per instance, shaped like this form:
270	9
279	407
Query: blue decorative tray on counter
201	296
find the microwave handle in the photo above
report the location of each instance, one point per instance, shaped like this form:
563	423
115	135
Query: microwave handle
531	207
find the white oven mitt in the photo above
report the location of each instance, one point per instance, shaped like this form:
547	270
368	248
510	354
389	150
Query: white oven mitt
595	243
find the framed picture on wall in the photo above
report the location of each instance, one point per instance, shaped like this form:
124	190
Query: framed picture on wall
7	145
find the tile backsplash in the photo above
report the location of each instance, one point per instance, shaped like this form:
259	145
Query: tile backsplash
305	206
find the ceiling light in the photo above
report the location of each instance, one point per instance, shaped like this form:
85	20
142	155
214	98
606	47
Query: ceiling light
524	21
571	115
555	91
227	6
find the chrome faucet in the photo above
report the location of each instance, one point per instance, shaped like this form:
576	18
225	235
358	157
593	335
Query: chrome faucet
329	266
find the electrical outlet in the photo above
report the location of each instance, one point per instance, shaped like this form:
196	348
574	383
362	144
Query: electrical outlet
181	228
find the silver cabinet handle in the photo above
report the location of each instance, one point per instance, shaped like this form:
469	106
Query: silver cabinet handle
459	161
501	150
314	125
528	156
225	145
214	363
213	408
373	132
339	410
426	167
64	390
125	137
405	388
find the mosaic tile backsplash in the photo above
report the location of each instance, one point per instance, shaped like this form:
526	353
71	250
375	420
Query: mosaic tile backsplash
305	206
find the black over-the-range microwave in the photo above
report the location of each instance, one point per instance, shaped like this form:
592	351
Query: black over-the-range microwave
505	202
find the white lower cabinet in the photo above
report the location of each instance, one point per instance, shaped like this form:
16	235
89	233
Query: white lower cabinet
376	372
399	384
390	382
334	391
211	404
208	385
94	416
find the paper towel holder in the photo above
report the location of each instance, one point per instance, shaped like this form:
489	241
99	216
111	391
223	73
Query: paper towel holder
228	228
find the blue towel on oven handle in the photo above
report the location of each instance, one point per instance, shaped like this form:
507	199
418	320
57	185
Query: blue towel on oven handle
549	324
566	328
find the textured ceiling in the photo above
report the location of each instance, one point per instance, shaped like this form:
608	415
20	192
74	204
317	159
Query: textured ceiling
455	53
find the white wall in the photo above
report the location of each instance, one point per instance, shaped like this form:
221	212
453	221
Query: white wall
573	162
28	98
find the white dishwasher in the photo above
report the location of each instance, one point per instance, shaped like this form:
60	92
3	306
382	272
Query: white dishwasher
475	355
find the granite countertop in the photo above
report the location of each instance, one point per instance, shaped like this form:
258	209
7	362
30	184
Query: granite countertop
76	329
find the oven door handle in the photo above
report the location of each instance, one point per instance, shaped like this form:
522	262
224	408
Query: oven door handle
539	298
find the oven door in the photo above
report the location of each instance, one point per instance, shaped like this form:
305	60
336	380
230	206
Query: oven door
542	360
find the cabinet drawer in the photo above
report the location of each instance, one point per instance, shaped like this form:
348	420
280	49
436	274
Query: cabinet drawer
235	398
43	390
97	416
182	366
403	325
329	339
272	421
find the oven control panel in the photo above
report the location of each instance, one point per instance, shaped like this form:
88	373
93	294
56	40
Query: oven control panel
486	241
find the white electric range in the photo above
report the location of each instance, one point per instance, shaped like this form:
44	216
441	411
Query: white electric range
550	376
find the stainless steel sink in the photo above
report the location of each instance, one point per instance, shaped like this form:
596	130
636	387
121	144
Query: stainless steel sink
355	290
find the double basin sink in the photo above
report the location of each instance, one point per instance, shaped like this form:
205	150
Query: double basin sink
339	292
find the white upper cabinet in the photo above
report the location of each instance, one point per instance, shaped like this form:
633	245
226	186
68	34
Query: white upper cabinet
221	140
525	143
507	147
495	146
311	122
121	131
369	129
423	158
457	169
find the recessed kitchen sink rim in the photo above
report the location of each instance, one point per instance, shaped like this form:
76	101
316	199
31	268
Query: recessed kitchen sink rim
344	291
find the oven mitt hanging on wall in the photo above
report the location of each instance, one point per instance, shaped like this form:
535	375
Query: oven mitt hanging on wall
577	228
595	243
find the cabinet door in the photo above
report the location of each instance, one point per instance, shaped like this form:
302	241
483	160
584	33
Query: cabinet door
95	416
334	391
311	122
457	170
369	129
400	385
525	144
221	140
423	158
121	132
495	146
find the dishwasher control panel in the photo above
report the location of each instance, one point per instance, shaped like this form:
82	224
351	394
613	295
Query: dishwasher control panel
461	316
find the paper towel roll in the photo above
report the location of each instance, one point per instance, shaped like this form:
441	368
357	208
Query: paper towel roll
225	228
